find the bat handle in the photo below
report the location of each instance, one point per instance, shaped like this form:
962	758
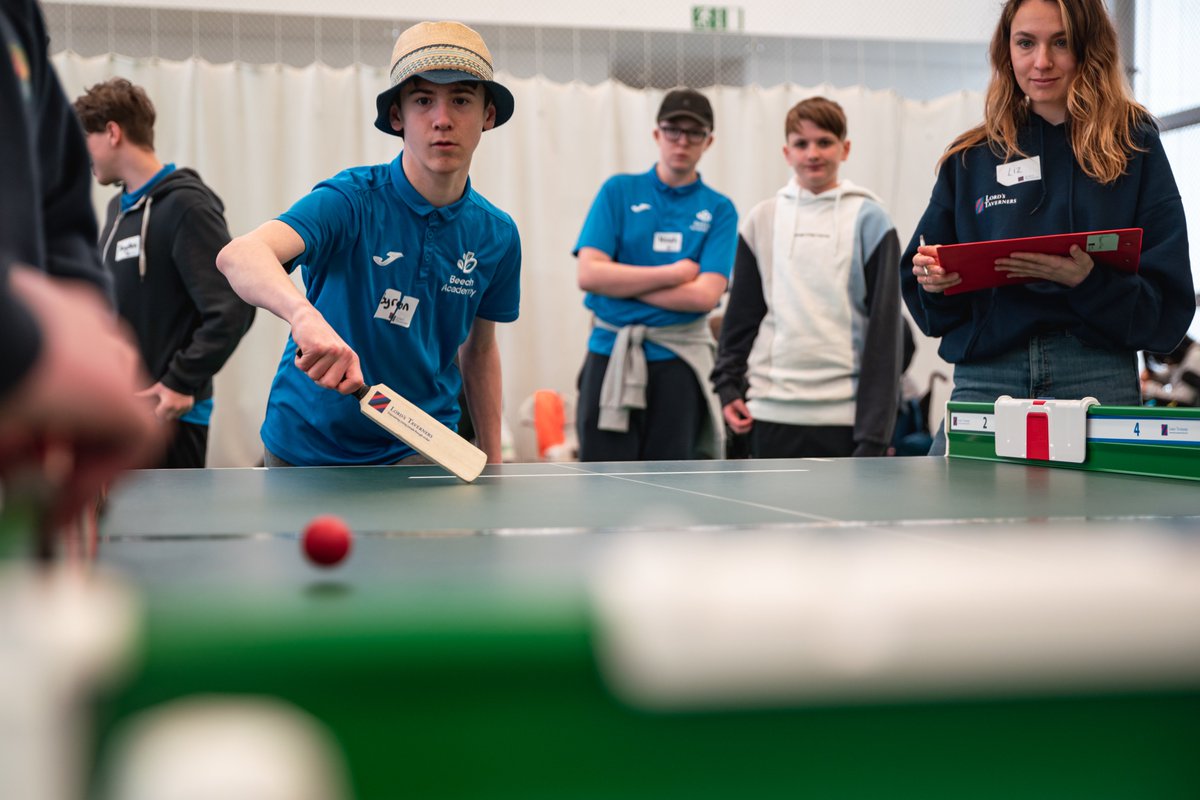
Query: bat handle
359	393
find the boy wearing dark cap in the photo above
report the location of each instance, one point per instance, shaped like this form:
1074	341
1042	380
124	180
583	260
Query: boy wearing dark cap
654	257
406	268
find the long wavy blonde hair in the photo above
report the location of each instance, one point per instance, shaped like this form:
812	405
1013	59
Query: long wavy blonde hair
1101	113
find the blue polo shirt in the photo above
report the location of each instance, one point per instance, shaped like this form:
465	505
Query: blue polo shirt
639	220
401	282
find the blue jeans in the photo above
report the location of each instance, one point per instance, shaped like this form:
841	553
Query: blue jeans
1054	365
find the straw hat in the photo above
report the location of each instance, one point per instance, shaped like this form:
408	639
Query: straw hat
441	52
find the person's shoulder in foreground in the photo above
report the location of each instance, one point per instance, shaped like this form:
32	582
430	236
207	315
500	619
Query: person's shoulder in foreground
61	341
46	215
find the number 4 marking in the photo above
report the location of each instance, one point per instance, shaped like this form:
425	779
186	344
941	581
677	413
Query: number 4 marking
1137	429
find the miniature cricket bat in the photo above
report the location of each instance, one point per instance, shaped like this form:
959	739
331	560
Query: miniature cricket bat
420	431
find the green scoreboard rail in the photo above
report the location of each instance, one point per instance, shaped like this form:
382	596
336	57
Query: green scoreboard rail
1135	440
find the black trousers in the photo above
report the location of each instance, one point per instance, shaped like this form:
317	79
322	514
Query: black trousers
188	448
777	440
666	430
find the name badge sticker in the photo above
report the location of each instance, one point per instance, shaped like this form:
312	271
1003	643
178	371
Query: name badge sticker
130	247
396	308
668	242
1023	171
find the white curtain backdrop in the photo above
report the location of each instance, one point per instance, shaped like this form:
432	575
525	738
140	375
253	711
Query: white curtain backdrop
262	136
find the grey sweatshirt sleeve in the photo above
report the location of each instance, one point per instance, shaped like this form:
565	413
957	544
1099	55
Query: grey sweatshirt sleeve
879	378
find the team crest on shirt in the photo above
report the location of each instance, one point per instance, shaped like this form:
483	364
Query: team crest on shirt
702	222
463	286
467	263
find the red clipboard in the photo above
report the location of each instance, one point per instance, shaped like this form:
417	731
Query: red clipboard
975	263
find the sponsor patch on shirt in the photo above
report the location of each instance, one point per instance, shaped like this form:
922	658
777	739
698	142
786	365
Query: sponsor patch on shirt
989	200
668	242
392	255
130	247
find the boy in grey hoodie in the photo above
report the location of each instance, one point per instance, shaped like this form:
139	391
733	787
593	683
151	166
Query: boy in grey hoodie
809	354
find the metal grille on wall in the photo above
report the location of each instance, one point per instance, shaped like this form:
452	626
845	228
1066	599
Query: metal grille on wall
917	70
1167	59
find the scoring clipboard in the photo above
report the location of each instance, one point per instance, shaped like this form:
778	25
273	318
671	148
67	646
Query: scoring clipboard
976	262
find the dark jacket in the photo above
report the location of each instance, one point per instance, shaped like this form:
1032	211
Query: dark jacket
1109	309
162	255
46	216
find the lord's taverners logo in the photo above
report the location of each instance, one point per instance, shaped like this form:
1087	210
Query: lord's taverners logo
989	200
379	401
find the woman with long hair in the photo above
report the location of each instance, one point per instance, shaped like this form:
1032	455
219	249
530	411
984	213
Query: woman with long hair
1063	148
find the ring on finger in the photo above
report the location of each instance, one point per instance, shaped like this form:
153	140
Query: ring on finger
926	270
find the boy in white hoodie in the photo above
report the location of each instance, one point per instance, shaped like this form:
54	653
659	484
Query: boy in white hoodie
809	354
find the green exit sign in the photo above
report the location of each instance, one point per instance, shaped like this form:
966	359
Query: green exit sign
717	18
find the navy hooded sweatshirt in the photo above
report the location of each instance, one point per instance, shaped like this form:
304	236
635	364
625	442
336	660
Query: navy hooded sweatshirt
1109	309
162	254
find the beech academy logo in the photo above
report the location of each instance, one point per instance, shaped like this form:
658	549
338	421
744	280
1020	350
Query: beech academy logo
467	263
463	286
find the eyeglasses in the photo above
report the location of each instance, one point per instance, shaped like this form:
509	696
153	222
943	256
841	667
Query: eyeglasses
694	135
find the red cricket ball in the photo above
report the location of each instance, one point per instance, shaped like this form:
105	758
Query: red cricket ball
326	540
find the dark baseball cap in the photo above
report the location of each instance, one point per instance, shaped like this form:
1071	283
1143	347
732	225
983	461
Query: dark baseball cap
686	103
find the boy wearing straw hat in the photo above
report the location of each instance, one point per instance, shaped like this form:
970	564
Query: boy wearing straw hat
406	267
